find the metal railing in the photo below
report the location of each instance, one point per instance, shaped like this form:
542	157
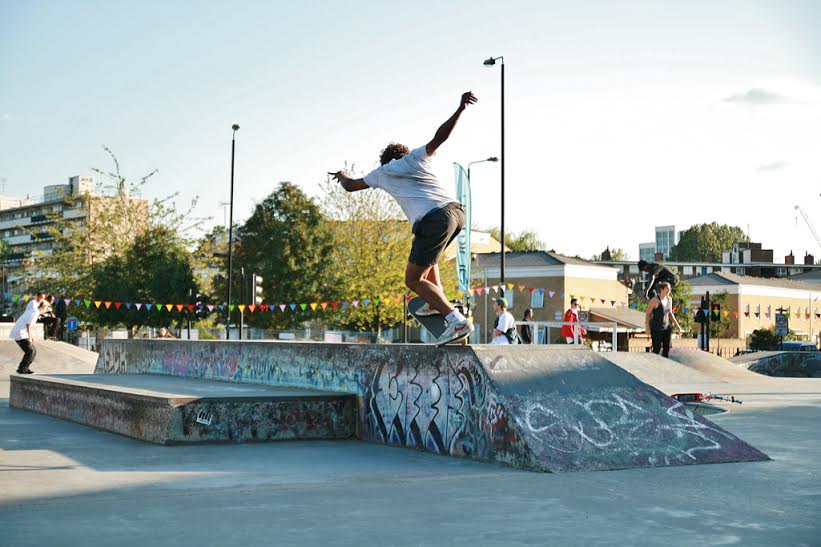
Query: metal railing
543	331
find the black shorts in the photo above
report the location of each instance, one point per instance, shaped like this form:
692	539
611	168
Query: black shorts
433	233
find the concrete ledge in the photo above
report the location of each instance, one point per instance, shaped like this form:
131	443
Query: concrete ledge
167	410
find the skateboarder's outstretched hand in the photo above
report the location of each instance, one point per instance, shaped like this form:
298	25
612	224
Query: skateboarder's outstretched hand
467	98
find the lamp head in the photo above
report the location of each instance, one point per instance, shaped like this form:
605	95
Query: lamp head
235	127
489	62
493	158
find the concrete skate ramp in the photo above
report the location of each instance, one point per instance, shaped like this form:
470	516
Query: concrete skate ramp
784	364
530	407
52	357
712	365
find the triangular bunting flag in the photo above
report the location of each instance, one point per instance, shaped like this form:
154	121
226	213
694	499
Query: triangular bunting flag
138	305
345	304
757	315
355	303
551	293
169	306
252	307
118	304
522	288
210	307
335	304
531	289
726	313
87	303
612	302
376	302
510	286
191	307
602	300
221	307
282	307
303	306
231	307
128	305
179	306
148	307
324	305
314	305
746	314
735	314
366	302
241	307
98	303
107	304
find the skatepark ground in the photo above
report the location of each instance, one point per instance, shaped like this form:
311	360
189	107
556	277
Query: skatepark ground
67	484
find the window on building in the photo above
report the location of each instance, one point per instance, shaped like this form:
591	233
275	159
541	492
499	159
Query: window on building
537	298
740	271
781	271
634	268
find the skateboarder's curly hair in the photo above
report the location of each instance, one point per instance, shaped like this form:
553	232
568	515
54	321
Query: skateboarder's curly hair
393	151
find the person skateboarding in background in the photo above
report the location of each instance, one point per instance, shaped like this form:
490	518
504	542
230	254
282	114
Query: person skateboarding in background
657	273
435	215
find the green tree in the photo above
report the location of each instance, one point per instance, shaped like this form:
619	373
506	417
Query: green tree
703	241
719	327
766	340
526	240
157	269
681	299
289	244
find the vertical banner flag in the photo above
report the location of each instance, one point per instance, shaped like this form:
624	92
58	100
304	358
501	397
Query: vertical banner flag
463	239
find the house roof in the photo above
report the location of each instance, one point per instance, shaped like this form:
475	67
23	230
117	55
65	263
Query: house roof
813	276
624	316
531	259
717	278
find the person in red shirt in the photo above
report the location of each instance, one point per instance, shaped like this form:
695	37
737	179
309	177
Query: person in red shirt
573	334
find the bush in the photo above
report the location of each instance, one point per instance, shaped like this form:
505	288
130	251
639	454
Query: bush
766	340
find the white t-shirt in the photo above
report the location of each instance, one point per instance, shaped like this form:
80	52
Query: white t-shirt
506	322
410	181
28	317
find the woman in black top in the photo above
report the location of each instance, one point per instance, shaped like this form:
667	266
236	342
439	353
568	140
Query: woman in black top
659	318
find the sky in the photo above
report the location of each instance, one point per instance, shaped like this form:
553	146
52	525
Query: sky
619	115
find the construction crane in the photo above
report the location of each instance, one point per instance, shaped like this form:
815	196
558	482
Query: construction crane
809	225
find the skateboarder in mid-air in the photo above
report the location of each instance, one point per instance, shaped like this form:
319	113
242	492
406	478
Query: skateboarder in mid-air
435	215
657	273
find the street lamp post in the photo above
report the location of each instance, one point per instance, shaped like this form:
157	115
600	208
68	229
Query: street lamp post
490	62
235	127
492	158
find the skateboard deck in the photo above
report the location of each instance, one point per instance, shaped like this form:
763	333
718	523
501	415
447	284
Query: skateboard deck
434	324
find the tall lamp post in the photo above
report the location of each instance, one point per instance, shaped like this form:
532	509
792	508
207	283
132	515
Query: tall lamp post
235	127
492	158
490	62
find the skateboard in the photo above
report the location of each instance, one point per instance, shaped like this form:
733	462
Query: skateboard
434	324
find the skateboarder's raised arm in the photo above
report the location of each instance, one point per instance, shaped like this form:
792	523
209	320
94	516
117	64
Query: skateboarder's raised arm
349	184
446	128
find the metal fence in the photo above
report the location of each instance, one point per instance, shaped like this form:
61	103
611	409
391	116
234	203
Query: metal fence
726	352
544	332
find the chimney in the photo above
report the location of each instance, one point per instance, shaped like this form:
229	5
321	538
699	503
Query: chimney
606	254
809	260
789	259
658	257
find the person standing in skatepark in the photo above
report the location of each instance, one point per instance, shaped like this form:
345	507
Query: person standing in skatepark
435	215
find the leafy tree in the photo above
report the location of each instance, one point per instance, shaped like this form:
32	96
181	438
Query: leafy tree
681	299
766	340
157	269
702	241
113	218
289	244
526	240
719	328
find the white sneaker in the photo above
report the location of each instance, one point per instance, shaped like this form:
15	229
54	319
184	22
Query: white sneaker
456	331
426	311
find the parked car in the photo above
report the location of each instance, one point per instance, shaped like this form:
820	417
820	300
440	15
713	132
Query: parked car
798	346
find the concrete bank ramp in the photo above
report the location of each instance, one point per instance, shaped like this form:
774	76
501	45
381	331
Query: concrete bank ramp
52	357
537	408
783	364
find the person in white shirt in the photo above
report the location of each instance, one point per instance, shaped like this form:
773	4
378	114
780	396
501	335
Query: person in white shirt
436	216
504	322
21	332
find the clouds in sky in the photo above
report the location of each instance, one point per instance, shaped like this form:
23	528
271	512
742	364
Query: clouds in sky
757	97
774	166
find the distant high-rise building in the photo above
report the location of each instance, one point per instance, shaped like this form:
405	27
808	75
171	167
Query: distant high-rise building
665	240
647	251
